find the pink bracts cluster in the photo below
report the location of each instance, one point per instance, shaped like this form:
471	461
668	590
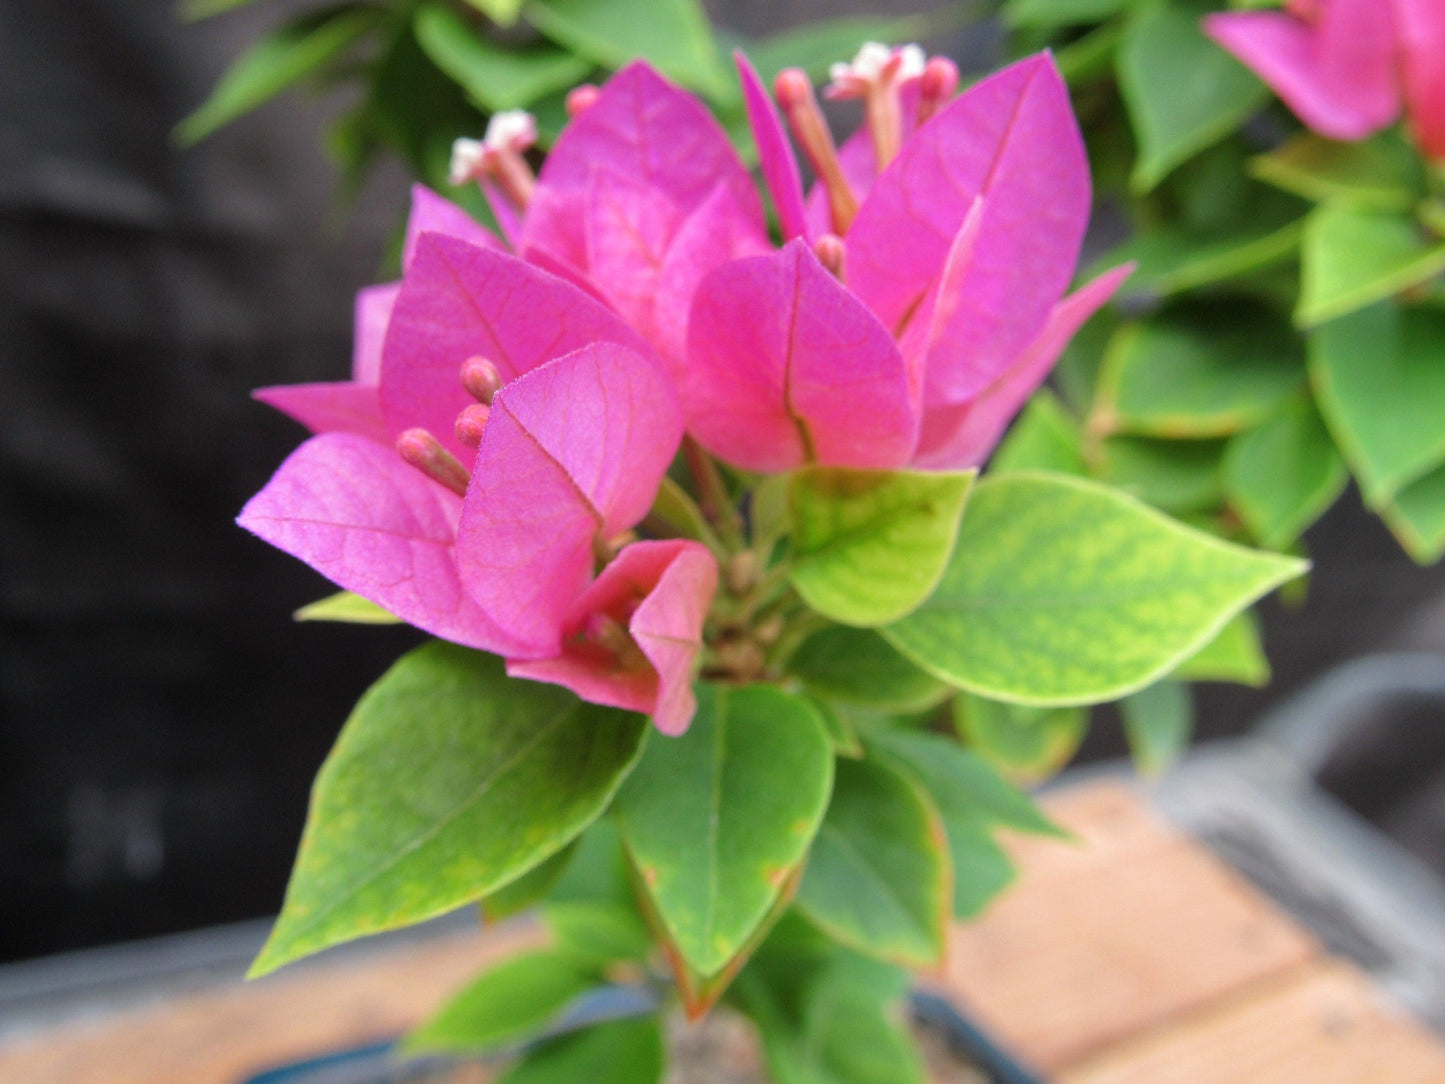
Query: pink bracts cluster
514	404
1347	68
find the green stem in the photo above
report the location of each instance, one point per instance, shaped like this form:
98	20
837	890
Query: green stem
712	495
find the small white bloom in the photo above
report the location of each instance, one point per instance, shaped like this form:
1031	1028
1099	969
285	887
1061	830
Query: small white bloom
467	157
511	130
912	63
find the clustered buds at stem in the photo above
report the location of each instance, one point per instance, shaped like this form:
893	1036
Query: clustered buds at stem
875	75
796	99
499	156
481	379
424	452
472	423
936	86
832	253
581	98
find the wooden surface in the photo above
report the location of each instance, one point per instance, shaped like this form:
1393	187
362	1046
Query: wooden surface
1129	956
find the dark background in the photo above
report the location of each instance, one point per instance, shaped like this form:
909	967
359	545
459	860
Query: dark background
160	714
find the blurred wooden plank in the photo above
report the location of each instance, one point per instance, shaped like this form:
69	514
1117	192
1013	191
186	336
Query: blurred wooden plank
1100	940
1322	1025
226	1036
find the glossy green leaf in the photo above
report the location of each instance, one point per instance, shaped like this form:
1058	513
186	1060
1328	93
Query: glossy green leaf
597	931
877	877
1172	259
495	77
628	1051
1380	382
598	870
981	871
860	667
1027	744
1234	655
1416	515
1282	475
1045	437
529	889
280	60
347	608
1176	476
839	728
1379	174
1182	91
502	12
1158	721
448	781
510	1002
1063	591
673	35
1202	370
1352	259
716	819
869	546
1058	13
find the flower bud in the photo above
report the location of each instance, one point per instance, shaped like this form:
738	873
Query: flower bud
471	423
424	452
581	98
481	379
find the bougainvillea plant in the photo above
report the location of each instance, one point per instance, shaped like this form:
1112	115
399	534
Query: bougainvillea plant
692	507
1285	328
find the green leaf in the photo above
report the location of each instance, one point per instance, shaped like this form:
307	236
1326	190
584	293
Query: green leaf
502	12
1158	721
877	878
869	546
1177	476
193	10
716	819
1045	437
1182	91
839	728
346	607
529	889
1063	591
860	667
1234	655
1282	475
673	35
597	931
497	78
448	781
1057	13
512	1001
1352	259
682	515
854	1035
1202	370
598	870
1027	744
613	1052
1416	515
1380	382
281	59
981	871
1379	174
1174	259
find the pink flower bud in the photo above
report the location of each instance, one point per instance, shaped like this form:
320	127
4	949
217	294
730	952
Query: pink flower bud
471	423
424	452
481	379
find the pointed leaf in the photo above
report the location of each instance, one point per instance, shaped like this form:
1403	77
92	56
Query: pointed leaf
612	1052
348	608
715	820
1282	475
1355	258
1379	383
1416	514
869	546
1380	174
527	890
860	667
877	877
1045	437
597	931
1062	591
1234	655
1175	476
1027	744
448	782
1158	721
786	367
1173	117
497	78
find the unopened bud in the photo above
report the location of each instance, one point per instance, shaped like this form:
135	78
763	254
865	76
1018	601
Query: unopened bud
481	379
581	98
832	253
938	85
471	424
424	452
741	572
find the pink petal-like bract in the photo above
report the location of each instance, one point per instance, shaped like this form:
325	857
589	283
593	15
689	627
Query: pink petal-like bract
459	301
572	455
659	592
431	213
345	406
1422	34
963	434
351	509
786	367
775	154
1013	140
1338	74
